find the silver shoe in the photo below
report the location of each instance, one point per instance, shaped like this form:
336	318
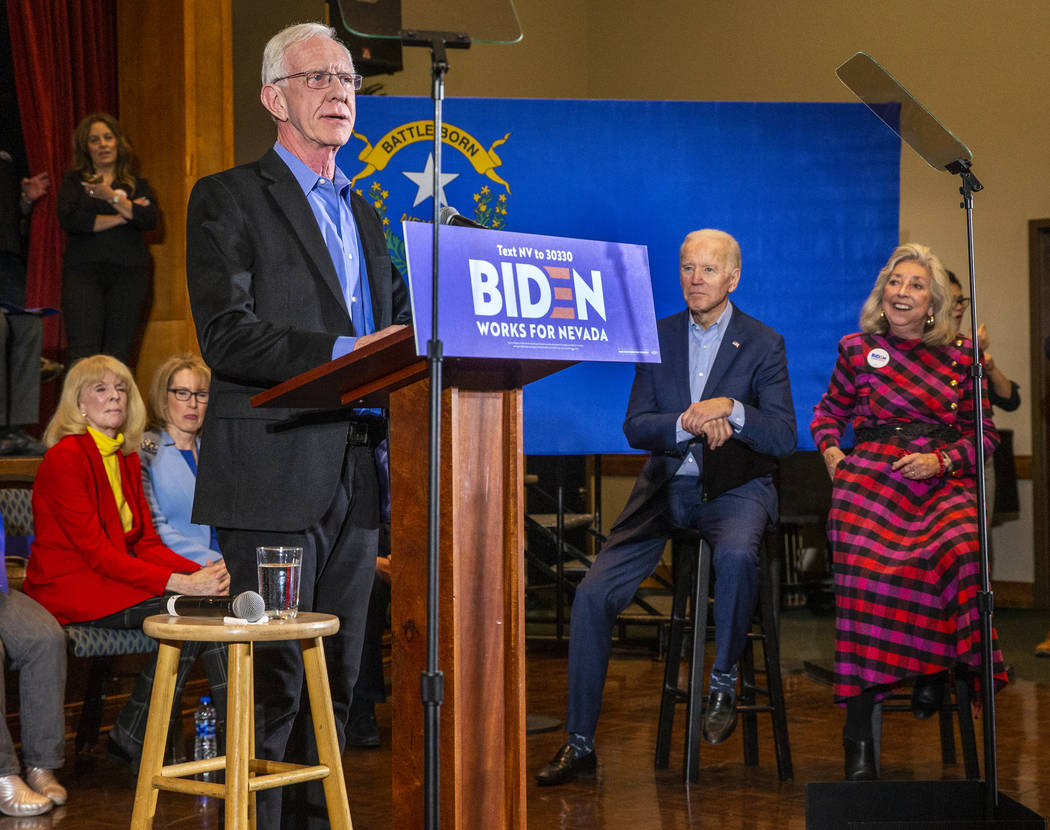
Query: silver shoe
16	799
44	782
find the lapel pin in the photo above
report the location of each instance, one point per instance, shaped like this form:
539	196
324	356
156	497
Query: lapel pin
736	343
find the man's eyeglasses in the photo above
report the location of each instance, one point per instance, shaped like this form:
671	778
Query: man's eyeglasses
962	302
184	394
315	79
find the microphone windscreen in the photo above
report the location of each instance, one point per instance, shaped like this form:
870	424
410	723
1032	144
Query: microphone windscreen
249	606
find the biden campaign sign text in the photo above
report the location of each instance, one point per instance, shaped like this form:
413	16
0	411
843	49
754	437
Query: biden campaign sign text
518	295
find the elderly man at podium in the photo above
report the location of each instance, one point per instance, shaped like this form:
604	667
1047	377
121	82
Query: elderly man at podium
714	413
288	268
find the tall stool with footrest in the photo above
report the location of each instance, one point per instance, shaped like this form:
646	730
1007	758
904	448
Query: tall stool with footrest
692	576
955	699
245	774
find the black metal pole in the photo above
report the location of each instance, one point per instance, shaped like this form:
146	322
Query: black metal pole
985	598
432	681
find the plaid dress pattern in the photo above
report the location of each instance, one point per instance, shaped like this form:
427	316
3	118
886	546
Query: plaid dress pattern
905	552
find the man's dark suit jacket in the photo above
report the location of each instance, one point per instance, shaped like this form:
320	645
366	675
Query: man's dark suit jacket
751	367
267	306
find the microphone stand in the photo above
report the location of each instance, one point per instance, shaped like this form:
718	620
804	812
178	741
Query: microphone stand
432	681
985	597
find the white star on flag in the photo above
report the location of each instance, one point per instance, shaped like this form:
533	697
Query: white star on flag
425	182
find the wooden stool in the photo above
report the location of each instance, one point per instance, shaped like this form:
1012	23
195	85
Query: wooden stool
692	576
245	774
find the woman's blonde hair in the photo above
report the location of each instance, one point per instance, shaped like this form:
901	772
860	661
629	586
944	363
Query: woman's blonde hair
68	419
942	330
157	401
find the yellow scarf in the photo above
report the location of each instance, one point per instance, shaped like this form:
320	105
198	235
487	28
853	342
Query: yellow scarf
108	448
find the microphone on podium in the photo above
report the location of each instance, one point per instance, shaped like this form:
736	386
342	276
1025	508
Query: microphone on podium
247	605
448	215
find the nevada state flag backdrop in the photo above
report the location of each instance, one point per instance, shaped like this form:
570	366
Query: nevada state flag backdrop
811	192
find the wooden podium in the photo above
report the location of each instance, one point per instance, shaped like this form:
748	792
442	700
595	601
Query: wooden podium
481	614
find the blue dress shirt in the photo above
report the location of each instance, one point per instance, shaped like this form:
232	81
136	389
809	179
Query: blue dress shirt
329	200
703	348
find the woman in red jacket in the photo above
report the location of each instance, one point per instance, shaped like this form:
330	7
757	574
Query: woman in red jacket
96	558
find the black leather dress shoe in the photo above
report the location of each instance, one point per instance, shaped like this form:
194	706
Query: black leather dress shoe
116	752
363	731
720	717
927	696
860	759
568	765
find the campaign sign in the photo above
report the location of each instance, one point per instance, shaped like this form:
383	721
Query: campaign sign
520	295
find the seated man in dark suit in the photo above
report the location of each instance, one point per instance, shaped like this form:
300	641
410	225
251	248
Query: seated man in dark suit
714	413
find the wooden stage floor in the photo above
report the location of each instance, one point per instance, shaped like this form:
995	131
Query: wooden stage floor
628	794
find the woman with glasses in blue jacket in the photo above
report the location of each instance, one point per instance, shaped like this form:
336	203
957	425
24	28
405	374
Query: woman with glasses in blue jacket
178	399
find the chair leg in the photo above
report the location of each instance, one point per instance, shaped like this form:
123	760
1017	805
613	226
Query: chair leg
748	701
966	730
774	680
90	719
876	734
239	730
673	662
324	731
701	610
156	734
250	715
947	730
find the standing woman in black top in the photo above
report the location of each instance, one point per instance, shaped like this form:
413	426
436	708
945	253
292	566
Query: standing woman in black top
104	208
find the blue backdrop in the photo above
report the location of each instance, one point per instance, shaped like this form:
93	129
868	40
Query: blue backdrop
811	192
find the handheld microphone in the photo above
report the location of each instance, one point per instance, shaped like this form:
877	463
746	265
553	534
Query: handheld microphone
247	606
448	215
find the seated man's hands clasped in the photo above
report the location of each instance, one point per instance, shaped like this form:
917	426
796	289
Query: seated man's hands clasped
710	418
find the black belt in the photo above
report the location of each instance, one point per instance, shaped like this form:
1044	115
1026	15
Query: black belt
365	433
907	429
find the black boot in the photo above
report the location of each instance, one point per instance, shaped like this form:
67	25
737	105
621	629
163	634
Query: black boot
928	695
858	741
860	759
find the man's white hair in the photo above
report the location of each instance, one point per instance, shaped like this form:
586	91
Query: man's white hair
273	55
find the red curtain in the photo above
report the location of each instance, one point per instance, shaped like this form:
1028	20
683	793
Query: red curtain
64	52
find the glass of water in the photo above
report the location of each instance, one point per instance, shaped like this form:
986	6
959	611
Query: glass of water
279	579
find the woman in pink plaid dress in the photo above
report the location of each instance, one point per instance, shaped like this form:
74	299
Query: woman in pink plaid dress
903	519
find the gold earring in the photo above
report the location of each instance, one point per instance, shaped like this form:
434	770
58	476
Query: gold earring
930	320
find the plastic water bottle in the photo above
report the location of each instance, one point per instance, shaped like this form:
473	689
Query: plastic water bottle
204	746
204	742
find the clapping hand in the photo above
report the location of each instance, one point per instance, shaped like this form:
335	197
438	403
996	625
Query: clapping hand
35	186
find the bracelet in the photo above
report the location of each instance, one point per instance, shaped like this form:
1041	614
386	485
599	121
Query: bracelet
940	463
